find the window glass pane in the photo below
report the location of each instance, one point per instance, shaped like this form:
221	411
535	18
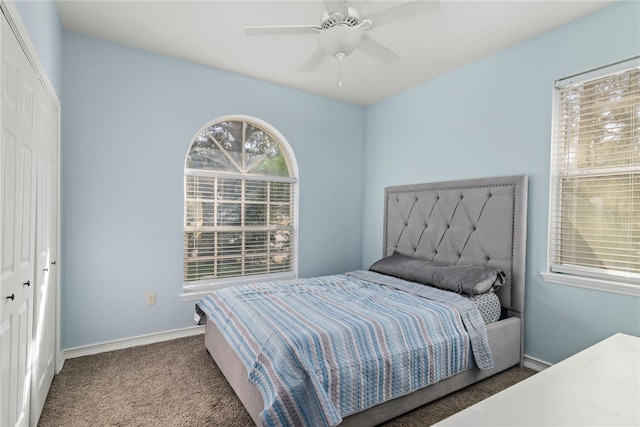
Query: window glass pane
256	242
199	205
280	240
280	262
198	269
199	187
229	189
205	154
258	144
256	191
255	265
228	267
603	117
229	214
280	192
272	163
206	213
229	136
198	244
191	214
230	243
255	214
280	215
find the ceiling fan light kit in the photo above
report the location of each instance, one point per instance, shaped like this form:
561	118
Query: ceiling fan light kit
341	31
340	39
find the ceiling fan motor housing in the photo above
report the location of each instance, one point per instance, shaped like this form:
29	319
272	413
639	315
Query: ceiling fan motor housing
331	19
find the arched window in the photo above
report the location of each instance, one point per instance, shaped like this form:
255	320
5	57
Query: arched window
240	205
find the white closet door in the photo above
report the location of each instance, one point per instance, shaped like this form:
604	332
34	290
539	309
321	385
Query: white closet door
43	343
18	155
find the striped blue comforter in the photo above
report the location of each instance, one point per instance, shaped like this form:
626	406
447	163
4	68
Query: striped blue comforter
323	348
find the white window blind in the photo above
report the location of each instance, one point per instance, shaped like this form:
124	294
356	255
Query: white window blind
237	227
595	194
239	205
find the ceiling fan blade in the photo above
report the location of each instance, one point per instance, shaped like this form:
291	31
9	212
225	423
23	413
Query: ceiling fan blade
378	51
279	29
403	11
313	60
337	6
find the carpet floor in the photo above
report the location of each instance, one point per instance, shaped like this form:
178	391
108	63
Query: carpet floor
176	383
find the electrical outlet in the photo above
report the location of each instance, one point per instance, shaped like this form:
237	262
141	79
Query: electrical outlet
151	298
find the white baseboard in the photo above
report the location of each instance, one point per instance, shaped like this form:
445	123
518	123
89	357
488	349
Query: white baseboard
131	342
535	364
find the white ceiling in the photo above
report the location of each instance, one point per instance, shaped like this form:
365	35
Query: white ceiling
211	33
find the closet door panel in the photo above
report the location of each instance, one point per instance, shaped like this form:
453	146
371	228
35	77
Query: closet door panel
19	148
8	219
26	211
22	322
46	243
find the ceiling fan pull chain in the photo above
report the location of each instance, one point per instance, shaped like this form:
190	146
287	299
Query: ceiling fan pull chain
340	56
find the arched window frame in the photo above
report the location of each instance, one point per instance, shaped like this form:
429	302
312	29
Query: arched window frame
195	289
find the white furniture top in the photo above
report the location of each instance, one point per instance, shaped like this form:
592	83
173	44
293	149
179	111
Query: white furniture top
599	386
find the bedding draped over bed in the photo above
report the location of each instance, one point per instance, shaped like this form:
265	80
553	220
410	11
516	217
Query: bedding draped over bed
320	349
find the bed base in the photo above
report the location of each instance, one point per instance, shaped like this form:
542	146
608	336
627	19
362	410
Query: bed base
504	340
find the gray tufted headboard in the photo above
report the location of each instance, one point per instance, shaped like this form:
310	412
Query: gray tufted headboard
476	221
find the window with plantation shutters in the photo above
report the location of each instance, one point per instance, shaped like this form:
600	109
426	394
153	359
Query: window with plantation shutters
594	236
240	189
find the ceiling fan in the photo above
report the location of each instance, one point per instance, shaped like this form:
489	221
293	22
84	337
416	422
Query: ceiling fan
342	30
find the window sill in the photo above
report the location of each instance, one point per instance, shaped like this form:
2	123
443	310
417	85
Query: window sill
194	292
194	296
588	283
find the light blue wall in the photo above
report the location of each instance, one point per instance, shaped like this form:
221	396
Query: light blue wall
42	22
493	118
129	117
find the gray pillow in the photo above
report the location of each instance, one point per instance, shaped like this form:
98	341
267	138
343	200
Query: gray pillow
463	279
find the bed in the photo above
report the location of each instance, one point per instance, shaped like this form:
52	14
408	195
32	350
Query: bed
467	223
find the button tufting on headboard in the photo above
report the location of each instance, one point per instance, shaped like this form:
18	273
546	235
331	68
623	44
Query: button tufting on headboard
466	222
